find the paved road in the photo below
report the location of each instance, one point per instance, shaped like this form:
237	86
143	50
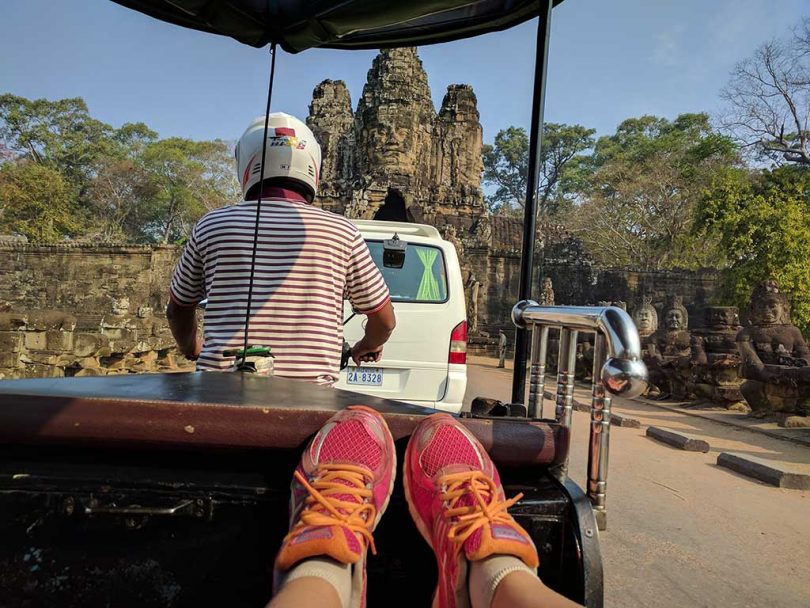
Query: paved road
682	531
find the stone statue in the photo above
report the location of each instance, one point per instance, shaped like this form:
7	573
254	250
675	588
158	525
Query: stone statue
120	306
472	305
547	295
668	353
584	366
774	359
451	235
502	342
646	318
715	358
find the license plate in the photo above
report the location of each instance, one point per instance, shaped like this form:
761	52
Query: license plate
366	376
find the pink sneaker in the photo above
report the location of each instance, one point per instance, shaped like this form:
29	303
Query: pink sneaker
339	492
457	501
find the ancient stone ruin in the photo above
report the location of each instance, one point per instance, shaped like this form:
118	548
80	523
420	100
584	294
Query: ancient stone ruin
668	352
646	318
775	359
763	368
715	358
394	157
85	311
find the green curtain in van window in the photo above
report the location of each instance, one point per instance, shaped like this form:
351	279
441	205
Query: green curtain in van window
428	287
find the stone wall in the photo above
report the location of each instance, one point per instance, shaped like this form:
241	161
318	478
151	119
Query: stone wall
98	310
85	310
579	283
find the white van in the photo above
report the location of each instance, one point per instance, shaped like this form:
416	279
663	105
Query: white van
425	361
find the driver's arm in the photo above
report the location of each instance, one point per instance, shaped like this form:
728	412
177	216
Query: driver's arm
379	328
183	323
368	294
187	289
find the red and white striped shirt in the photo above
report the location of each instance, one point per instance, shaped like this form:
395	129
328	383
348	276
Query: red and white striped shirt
307	262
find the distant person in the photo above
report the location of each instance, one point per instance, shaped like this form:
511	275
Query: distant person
307	261
342	486
502	341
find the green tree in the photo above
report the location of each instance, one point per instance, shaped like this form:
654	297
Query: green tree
762	221
183	179
36	202
637	192
506	166
125	183
120	198
121	189
59	134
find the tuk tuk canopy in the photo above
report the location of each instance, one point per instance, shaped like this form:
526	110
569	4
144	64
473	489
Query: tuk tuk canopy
342	24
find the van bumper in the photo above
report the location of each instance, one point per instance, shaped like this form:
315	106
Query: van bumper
453	398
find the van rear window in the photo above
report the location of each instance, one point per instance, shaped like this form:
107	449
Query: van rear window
421	279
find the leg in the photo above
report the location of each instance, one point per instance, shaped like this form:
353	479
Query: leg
339	492
525	590
456	498
753	392
307	592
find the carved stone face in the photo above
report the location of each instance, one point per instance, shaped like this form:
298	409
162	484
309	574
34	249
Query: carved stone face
644	320
768	311
723	317
674	319
391	146
120	306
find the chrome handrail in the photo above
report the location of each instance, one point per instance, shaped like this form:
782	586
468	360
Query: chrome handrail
617	369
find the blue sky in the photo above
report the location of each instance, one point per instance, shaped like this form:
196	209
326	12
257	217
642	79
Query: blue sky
610	59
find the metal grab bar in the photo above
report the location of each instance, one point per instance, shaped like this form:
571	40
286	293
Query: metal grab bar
623	373
617	369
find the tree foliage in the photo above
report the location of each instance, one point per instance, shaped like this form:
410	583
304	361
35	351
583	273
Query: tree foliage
122	184
762	223
36	202
506	166
768	98
637	192
185	179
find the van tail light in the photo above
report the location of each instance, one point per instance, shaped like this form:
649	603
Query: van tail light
458	344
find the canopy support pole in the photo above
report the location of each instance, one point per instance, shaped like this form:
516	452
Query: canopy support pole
530	207
246	343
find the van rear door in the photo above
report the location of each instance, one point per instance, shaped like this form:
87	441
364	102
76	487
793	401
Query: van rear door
415	360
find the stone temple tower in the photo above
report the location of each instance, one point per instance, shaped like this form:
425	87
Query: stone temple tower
395	158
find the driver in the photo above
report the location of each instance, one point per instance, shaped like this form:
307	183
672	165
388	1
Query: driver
307	262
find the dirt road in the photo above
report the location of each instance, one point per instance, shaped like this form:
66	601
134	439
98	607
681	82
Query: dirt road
681	530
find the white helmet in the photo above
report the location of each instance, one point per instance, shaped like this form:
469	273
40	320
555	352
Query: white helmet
292	151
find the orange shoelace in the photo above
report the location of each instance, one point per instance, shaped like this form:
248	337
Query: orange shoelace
486	508
326	504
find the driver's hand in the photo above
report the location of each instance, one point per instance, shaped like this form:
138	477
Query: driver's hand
362	354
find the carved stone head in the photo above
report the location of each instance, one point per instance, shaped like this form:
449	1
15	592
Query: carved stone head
768	305
120	306
646	317
547	295
675	315
722	317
